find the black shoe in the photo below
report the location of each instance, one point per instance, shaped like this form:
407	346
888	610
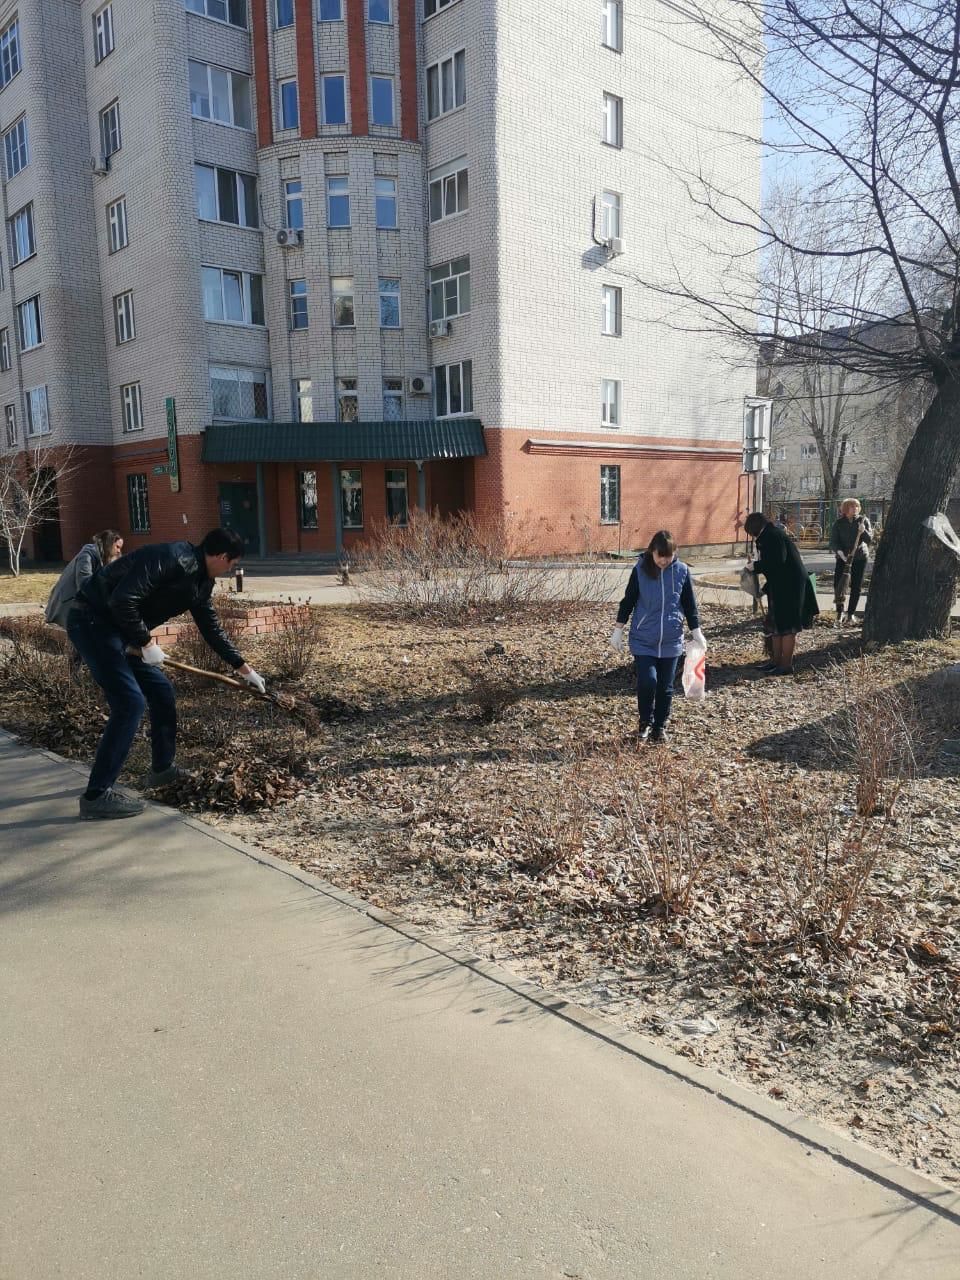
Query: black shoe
781	671
112	804
658	734
644	732
769	667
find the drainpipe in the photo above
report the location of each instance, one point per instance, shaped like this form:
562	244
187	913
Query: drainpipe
337	510
261	512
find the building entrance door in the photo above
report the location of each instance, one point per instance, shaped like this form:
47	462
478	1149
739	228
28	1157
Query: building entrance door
238	511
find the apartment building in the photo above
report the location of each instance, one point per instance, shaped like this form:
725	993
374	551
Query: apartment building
296	266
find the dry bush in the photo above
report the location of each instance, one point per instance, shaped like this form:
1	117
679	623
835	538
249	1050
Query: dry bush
190	646
35	633
490	689
292	650
553	828
66	712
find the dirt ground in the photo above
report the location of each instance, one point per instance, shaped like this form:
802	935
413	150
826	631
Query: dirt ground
27	588
721	894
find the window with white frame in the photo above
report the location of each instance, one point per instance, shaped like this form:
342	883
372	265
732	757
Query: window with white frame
232	297
338	202
38	416
232	11
446	84
138	503
293	204
453	388
449	190
117	232
430	7
393	399
850	481
611	219
348	404
124	320
342	290
10	415
351	497
381	101
877	483
303	399
611	311
333	98
308	500
610	495
224	195
15	149
379	11
289	99
239	393
389	289
102	33
397	495
610	396
9	53
23	243
385	194
283	13
330	11
29	323
299	318
611	24
110	140
131	407
779	454
808	484
220	95
853	448
450	289
4	350
612	132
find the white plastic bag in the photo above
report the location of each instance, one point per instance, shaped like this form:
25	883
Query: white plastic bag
695	671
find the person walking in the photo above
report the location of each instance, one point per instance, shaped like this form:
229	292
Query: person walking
110	625
850	540
103	547
658	597
791	599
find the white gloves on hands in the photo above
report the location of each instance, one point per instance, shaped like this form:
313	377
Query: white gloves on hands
152	655
255	679
616	640
699	637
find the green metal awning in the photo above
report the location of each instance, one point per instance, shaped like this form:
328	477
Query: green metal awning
343	441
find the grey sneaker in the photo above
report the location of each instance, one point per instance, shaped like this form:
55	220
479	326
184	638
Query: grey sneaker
112	804
168	777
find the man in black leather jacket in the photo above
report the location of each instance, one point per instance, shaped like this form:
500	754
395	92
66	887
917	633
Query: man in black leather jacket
110	626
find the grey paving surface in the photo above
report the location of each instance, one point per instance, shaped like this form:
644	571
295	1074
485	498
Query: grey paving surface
212	1066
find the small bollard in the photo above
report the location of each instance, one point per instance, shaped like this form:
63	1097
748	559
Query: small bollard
240	577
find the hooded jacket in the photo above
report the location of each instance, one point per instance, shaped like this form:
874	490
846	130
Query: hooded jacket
67	587
659	606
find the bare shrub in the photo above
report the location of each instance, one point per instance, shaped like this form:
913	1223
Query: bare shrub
490	688
66	713
190	646
292	650
552	829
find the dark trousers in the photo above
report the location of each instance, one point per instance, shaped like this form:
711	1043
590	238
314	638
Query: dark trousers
130	687
655	677
857	570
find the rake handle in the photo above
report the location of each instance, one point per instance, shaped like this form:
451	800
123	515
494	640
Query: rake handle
209	675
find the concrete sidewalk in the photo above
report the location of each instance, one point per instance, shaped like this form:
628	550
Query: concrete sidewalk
214	1066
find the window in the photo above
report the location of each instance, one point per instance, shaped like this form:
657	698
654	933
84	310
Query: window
351	498
232	11
4	350
378	11
342	287
38	418
381	101
808	484
334	98
609	495
446	85
117	234
347	403
102	33
393	399
239	393
450	289
430	7
389	303
15	147
779	454
879	448
23	244
453	388
289	105
611	311
386	201
124	322
397	495
449	191
131	407
610	215
9	53
220	95
303	395
298	304
851	480
138	504
808	451
610	402
853	447
612	120
284	13
293	203
338	202
330	10
110	129
308	500
611	24
233	297
30	323
10	414
223	195
877	482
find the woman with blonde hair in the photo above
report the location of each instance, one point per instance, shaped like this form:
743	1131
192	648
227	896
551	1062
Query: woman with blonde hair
850	539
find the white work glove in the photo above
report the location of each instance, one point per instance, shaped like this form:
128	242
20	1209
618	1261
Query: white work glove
699	637
616	640
152	655
255	679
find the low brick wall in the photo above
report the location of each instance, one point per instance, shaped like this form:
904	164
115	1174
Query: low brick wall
259	621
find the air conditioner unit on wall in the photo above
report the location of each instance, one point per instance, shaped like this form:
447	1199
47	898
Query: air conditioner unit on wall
288	238
615	246
439	328
100	165
420	384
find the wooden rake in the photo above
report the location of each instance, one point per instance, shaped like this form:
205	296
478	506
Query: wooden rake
296	707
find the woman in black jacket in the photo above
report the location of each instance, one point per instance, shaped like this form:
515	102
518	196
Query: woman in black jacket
792	600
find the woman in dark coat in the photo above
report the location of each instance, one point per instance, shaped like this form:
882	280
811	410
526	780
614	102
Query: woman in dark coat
791	597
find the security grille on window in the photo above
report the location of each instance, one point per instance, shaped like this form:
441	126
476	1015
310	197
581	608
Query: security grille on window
397	495
450	289
299	318
131	405
284	13
110	129
610	495
23	244
102	33
232	297
9	53
220	95
612	120
29	323
232	11
4	350
330	11
351	498
348	409
239	393
453	384
303	398
381	101
289	104
124	321
15	148
10	415
611	311
393	399
446	85
117	233
611	221
293	203
138	503
338	202
224	195
308	500
610	402
333	96
38	418
449	191
430	7
386	201
342	289
378	11
611	24
389	303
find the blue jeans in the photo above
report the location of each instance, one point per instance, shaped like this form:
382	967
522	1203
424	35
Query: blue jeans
655	677
130	687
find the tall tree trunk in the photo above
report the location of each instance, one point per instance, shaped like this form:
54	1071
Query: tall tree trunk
914	579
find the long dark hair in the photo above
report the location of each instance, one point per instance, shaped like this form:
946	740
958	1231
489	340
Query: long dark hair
105	541
661	544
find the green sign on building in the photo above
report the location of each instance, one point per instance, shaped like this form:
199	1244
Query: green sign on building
173	466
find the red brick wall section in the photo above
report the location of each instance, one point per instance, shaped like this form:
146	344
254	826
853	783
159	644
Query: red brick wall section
260	621
259	13
87	498
407	24
357	60
306	68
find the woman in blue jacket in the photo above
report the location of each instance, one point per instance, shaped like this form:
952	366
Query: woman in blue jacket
659	596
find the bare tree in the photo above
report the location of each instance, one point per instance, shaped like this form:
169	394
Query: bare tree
29	484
